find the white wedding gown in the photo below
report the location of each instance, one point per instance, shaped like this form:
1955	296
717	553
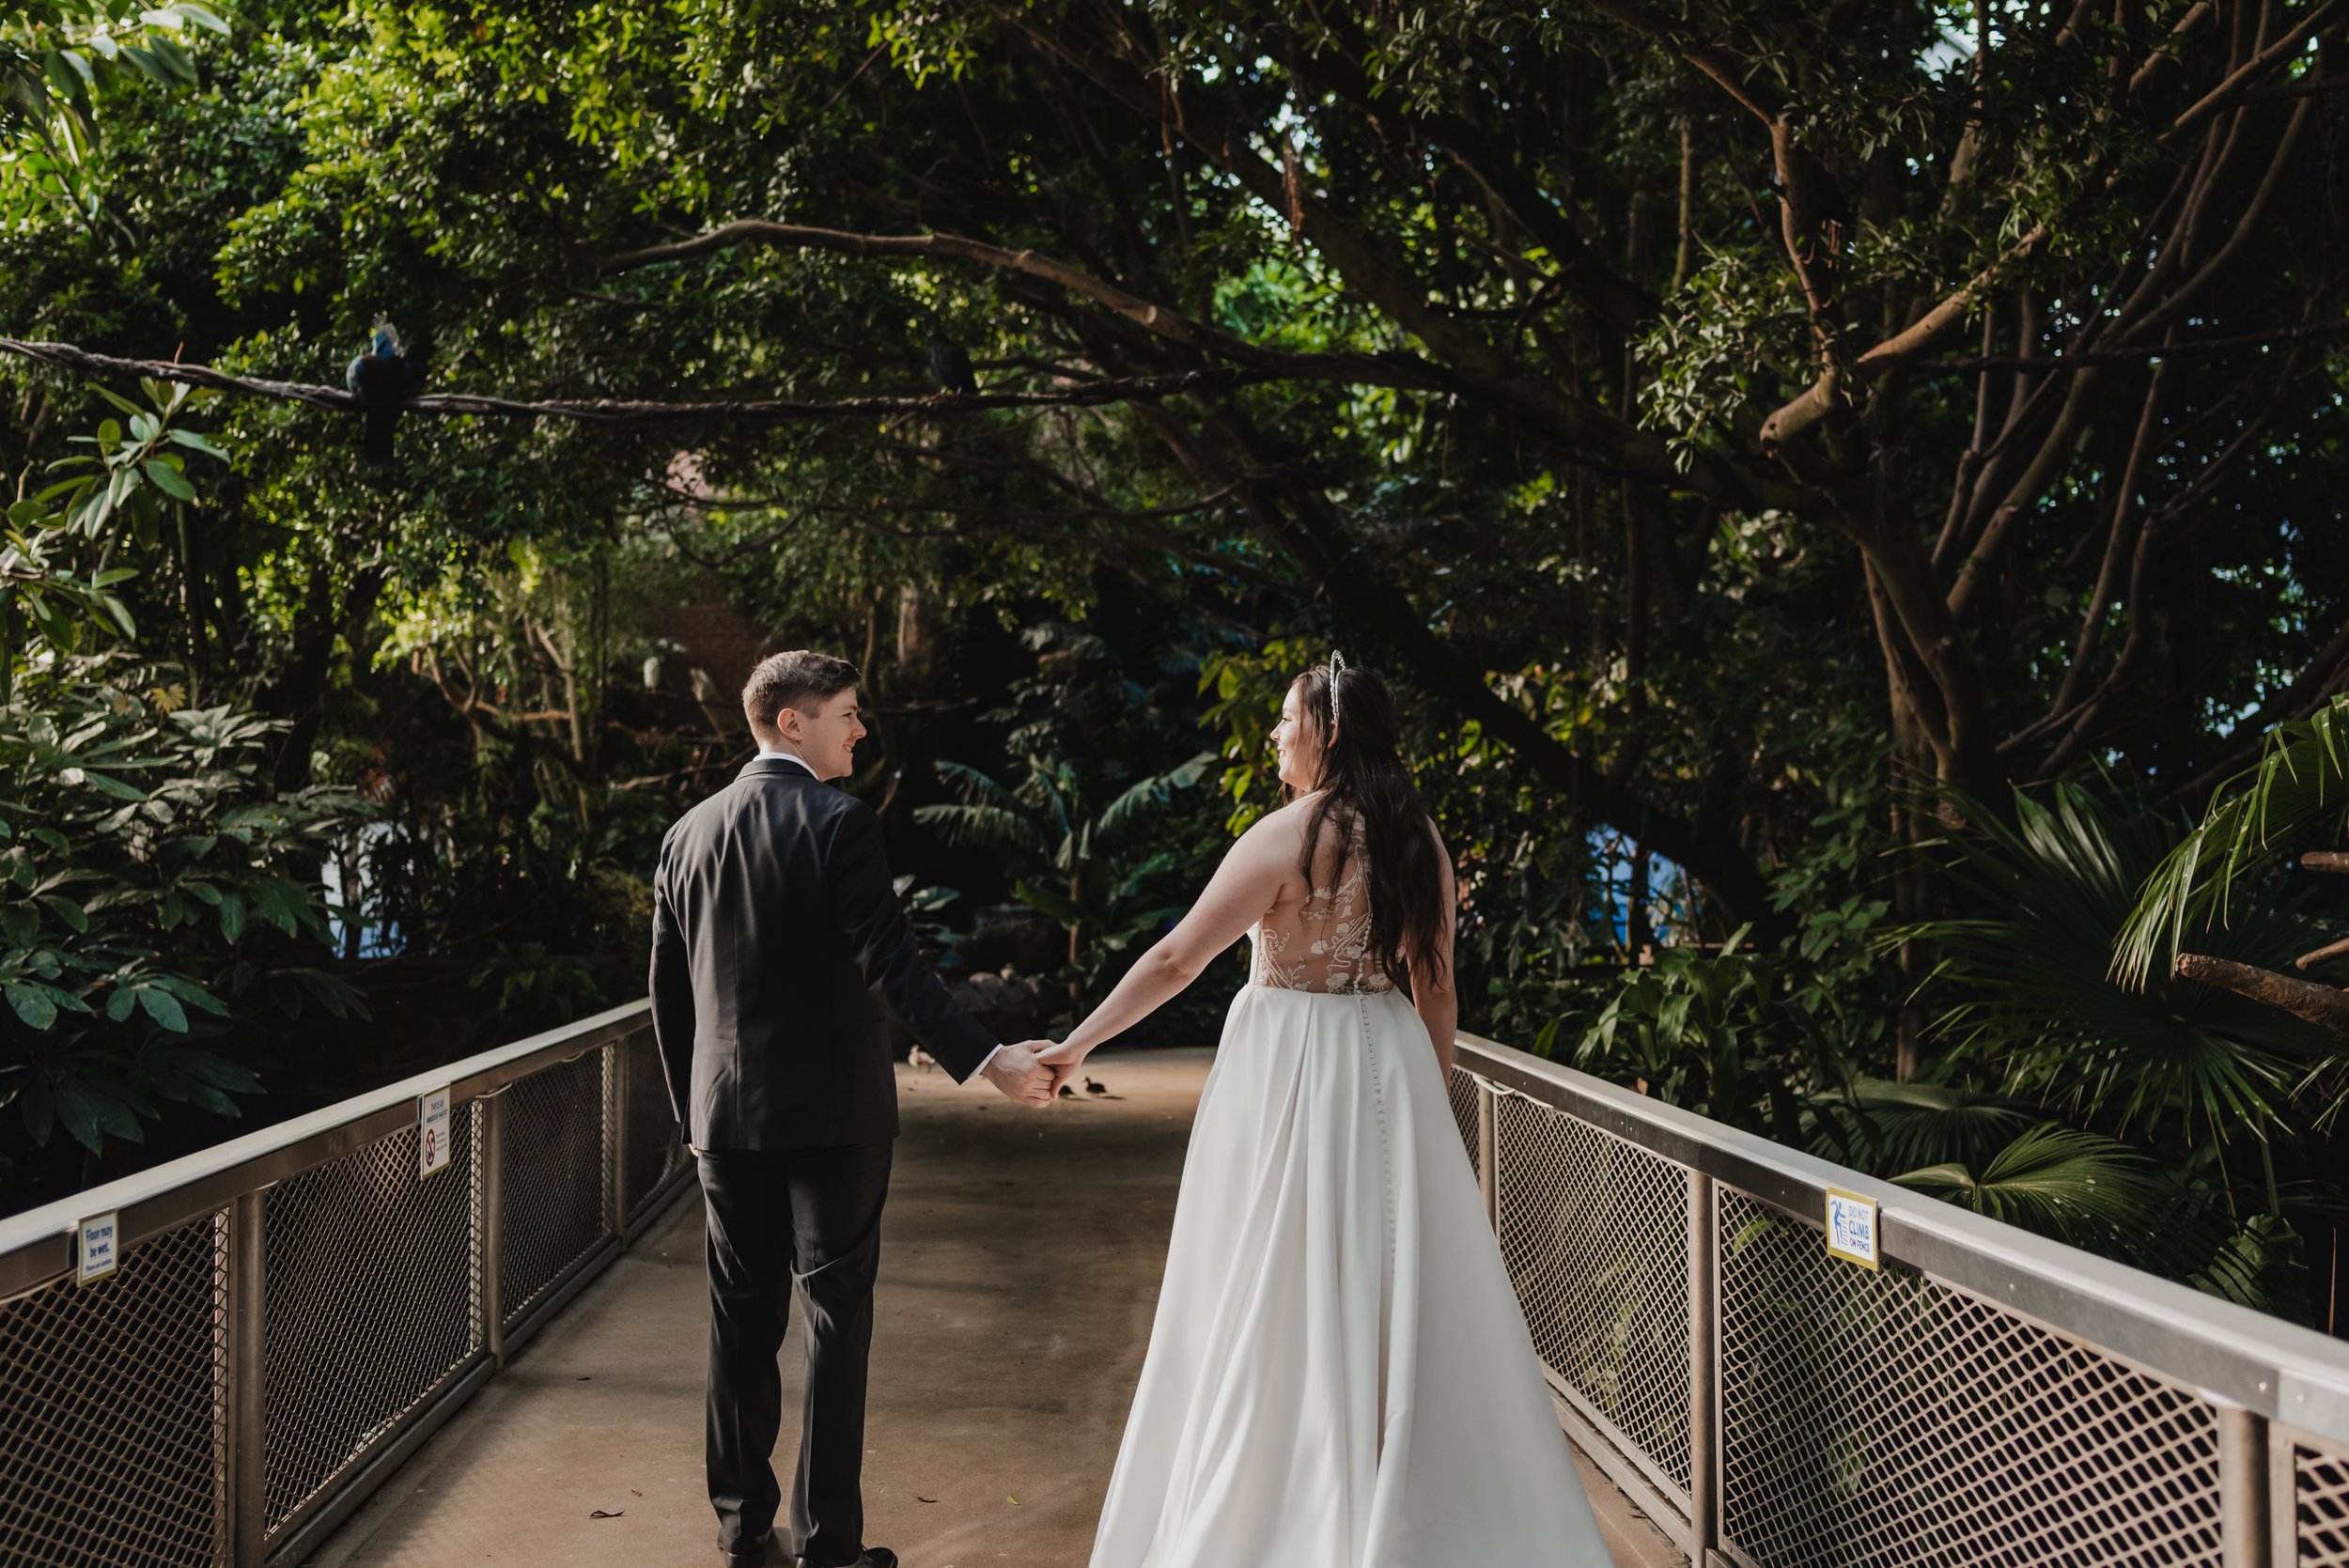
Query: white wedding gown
1339	1375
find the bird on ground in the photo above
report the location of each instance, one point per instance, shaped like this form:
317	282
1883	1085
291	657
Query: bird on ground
951	365
1093	1088
380	377
1066	1092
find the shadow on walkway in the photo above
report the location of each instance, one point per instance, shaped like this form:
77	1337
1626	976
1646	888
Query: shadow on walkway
1019	1267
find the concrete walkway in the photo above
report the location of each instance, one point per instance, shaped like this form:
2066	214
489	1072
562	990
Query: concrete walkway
1020	1262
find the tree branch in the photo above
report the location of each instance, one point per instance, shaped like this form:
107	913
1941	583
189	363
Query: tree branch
613	410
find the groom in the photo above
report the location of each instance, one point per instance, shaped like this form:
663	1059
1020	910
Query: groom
773	921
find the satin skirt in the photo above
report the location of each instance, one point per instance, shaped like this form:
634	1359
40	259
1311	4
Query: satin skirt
1339	1375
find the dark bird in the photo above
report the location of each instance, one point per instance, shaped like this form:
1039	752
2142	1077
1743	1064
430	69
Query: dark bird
1066	1092
951	366
1093	1088
381	378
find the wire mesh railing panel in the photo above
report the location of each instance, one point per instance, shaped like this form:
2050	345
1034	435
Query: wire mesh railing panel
2319	1507
1596	1234
371	1303
654	1147
1875	1418
557	1200
110	1452
1464	1104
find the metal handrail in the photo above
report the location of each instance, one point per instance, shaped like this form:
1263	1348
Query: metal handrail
2264	1364
36	1247
309	1395
2258	1407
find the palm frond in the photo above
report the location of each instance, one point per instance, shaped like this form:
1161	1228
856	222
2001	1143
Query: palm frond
1152	794
1906	1125
2302	775
2034	1000
989	826
2057	1181
977	789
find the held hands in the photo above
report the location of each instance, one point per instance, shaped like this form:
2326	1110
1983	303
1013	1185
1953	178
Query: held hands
1021	1075
1061	1061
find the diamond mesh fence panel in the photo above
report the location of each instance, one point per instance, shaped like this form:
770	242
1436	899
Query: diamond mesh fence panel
1874	1418
109	1425
1464	1098
654	1148
372	1301
2319	1498
556	1199
1596	1234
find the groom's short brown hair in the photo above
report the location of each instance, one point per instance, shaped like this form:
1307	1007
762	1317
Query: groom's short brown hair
799	678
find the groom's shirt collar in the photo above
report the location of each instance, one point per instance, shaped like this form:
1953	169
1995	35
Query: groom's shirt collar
786	756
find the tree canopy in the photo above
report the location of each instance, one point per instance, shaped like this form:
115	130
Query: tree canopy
1760	438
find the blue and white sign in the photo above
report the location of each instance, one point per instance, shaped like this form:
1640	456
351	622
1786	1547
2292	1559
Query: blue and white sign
98	1251
432	1151
1851	1228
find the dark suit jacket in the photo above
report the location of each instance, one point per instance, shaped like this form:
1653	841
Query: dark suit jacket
773	926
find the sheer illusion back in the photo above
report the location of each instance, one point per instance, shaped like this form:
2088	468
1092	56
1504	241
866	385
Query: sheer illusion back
1321	941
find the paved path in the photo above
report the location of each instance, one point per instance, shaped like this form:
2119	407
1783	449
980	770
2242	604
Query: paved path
1020	1260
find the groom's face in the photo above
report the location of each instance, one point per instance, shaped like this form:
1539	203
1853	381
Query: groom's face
827	737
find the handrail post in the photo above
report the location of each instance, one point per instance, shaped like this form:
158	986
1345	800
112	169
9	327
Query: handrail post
1705	1476
2242	1500
616	1075
248	1408
490	1225
1488	1151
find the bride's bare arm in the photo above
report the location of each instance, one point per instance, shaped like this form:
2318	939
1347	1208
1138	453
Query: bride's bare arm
1243	887
1437	1003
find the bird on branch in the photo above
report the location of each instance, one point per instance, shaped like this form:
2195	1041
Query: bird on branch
951	365
381	378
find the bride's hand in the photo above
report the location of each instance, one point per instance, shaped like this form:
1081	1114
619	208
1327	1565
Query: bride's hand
1064	1059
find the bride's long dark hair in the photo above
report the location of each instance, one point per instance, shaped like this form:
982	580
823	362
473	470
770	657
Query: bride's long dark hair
1364	778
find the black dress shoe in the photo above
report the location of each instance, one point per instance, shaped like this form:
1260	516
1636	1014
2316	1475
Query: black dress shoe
874	1557
755	1554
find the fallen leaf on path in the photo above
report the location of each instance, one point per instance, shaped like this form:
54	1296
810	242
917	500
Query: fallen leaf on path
919	1498
634	1492
1009	1499
600	1514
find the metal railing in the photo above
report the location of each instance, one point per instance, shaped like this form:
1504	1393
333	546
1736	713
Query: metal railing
1983	1397
295	1312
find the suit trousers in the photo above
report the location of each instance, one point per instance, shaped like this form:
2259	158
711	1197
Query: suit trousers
787	1223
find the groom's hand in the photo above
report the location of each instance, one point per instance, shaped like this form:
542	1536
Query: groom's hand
1016	1071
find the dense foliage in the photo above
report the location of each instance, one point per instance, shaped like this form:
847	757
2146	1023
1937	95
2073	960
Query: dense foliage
1770	447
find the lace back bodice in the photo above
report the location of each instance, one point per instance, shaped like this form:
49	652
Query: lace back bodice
1321	942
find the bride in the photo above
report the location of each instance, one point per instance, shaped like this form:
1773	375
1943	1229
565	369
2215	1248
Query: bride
1339	1376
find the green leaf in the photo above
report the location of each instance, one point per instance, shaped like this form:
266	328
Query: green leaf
66	909
39	1107
169	480
1050	901
196	442
164	1009
34	1004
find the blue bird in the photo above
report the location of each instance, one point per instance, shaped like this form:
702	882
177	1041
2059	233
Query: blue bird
951	366
380	377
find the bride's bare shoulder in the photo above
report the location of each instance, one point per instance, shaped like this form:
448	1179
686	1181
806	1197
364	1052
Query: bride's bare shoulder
1287	822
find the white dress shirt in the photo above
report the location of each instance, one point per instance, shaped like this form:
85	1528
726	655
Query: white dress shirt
764	752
